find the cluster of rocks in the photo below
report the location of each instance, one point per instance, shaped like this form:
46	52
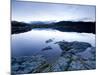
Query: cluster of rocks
27	64
75	56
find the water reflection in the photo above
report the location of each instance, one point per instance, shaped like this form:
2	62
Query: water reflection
34	41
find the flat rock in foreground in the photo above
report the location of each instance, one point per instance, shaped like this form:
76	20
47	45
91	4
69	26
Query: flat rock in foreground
75	56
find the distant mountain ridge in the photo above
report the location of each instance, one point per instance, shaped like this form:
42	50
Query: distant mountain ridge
65	26
42	22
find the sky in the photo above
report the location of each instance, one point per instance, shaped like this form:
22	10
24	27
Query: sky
36	11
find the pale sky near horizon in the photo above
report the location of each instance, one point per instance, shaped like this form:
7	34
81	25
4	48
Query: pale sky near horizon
33	11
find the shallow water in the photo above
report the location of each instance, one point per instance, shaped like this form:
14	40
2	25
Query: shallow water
33	42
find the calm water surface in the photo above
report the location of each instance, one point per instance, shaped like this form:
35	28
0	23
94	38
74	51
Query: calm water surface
33	42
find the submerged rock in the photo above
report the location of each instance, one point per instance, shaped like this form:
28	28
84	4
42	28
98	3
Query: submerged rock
73	46
75	56
49	40
28	64
82	55
47	48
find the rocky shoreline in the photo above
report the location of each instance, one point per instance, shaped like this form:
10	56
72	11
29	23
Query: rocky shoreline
75	56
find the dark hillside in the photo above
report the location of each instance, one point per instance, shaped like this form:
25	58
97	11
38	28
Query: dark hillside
65	26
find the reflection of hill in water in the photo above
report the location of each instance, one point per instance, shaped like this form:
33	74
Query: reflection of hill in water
67	26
